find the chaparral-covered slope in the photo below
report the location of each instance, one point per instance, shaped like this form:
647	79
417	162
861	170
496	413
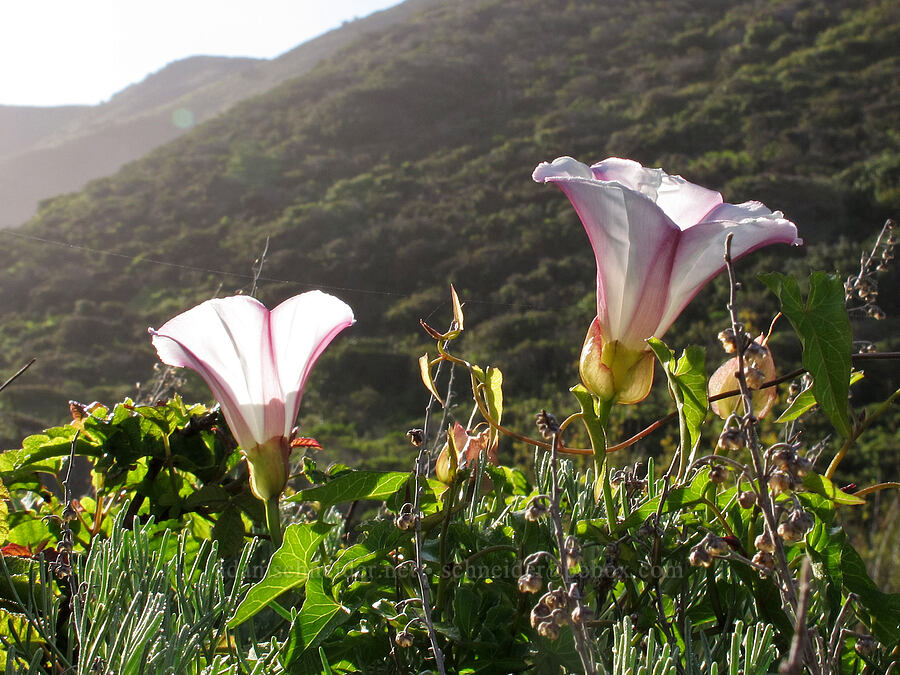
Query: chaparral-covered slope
404	163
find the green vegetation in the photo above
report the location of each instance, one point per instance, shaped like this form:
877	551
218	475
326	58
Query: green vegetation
403	164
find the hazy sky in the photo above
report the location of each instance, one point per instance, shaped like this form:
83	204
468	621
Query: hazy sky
55	52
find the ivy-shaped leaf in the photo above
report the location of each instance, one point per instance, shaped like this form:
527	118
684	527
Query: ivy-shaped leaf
354	485
318	617
822	324
687	382
290	566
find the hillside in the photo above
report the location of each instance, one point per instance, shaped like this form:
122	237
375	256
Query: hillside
404	163
45	152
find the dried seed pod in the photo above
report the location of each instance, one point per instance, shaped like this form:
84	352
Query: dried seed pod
549	630
416	437
573	560
865	645
716	546
572	545
765	543
404	521
755	352
699	557
404	639
582	614
747	499
530	583
539	614
560	616
717	473
780	481
754	377
534	512
802	466
784	458
790	532
546	424
794	389
764	559
729	343
802	519
731	439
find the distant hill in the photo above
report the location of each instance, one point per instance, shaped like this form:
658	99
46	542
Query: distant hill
49	151
403	162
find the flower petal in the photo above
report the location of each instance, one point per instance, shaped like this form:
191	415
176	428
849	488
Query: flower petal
226	342
701	250
634	245
683	202
301	328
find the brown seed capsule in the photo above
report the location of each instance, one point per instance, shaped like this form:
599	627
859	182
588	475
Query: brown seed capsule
754	377
539	614
755	352
802	519
549	630
780	481
865	645
764	559
581	614
784	458
716	546
530	583
731	439
717	473
729	344
802	466
404	639
415	436
534	512
765	543
404	521
790	532
560	616
699	557
573	560
747	499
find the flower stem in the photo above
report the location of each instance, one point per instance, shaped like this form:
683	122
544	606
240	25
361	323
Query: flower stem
273	520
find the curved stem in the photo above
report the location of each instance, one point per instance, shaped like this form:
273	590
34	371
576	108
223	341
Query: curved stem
875	488
273	521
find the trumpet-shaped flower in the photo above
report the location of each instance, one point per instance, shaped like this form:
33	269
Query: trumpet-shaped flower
657	240
256	362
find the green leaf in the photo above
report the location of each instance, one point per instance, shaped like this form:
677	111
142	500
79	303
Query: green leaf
349	487
687	382
822	324
823	486
318	617
229	532
465	610
289	567
805	400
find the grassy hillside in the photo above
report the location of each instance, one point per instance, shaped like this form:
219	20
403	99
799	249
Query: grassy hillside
403	164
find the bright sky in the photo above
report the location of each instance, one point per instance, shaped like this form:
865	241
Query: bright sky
55	52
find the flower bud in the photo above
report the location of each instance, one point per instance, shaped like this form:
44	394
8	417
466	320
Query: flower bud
613	372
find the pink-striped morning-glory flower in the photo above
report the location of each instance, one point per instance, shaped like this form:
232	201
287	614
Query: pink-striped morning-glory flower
657	240
256	362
